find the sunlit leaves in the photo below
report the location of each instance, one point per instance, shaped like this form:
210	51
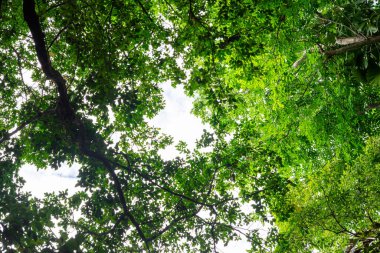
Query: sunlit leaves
289	125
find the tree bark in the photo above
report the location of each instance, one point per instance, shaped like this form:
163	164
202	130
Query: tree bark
349	40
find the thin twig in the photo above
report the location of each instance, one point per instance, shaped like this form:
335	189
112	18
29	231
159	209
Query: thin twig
58	35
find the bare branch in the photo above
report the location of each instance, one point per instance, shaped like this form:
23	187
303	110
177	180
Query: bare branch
300	60
354	46
349	40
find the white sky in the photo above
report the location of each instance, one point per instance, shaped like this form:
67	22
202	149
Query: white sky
176	120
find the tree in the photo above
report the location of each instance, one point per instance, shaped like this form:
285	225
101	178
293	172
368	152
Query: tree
289	87
296	86
95	69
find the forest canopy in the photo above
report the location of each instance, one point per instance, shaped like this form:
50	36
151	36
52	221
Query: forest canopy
289	88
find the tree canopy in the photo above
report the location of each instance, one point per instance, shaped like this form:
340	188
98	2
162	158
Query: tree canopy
289	88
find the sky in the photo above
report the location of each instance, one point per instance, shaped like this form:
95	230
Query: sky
176	120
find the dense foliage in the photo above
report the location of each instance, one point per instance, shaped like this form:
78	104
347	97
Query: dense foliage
290	89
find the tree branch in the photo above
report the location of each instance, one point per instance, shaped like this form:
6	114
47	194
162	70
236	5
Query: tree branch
33	22
7	136
300	60
55	6
234	228
144	10
101	158
166	189
319	16
352	47
349	40
334	215
173	222
229	40
58	34
151	180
